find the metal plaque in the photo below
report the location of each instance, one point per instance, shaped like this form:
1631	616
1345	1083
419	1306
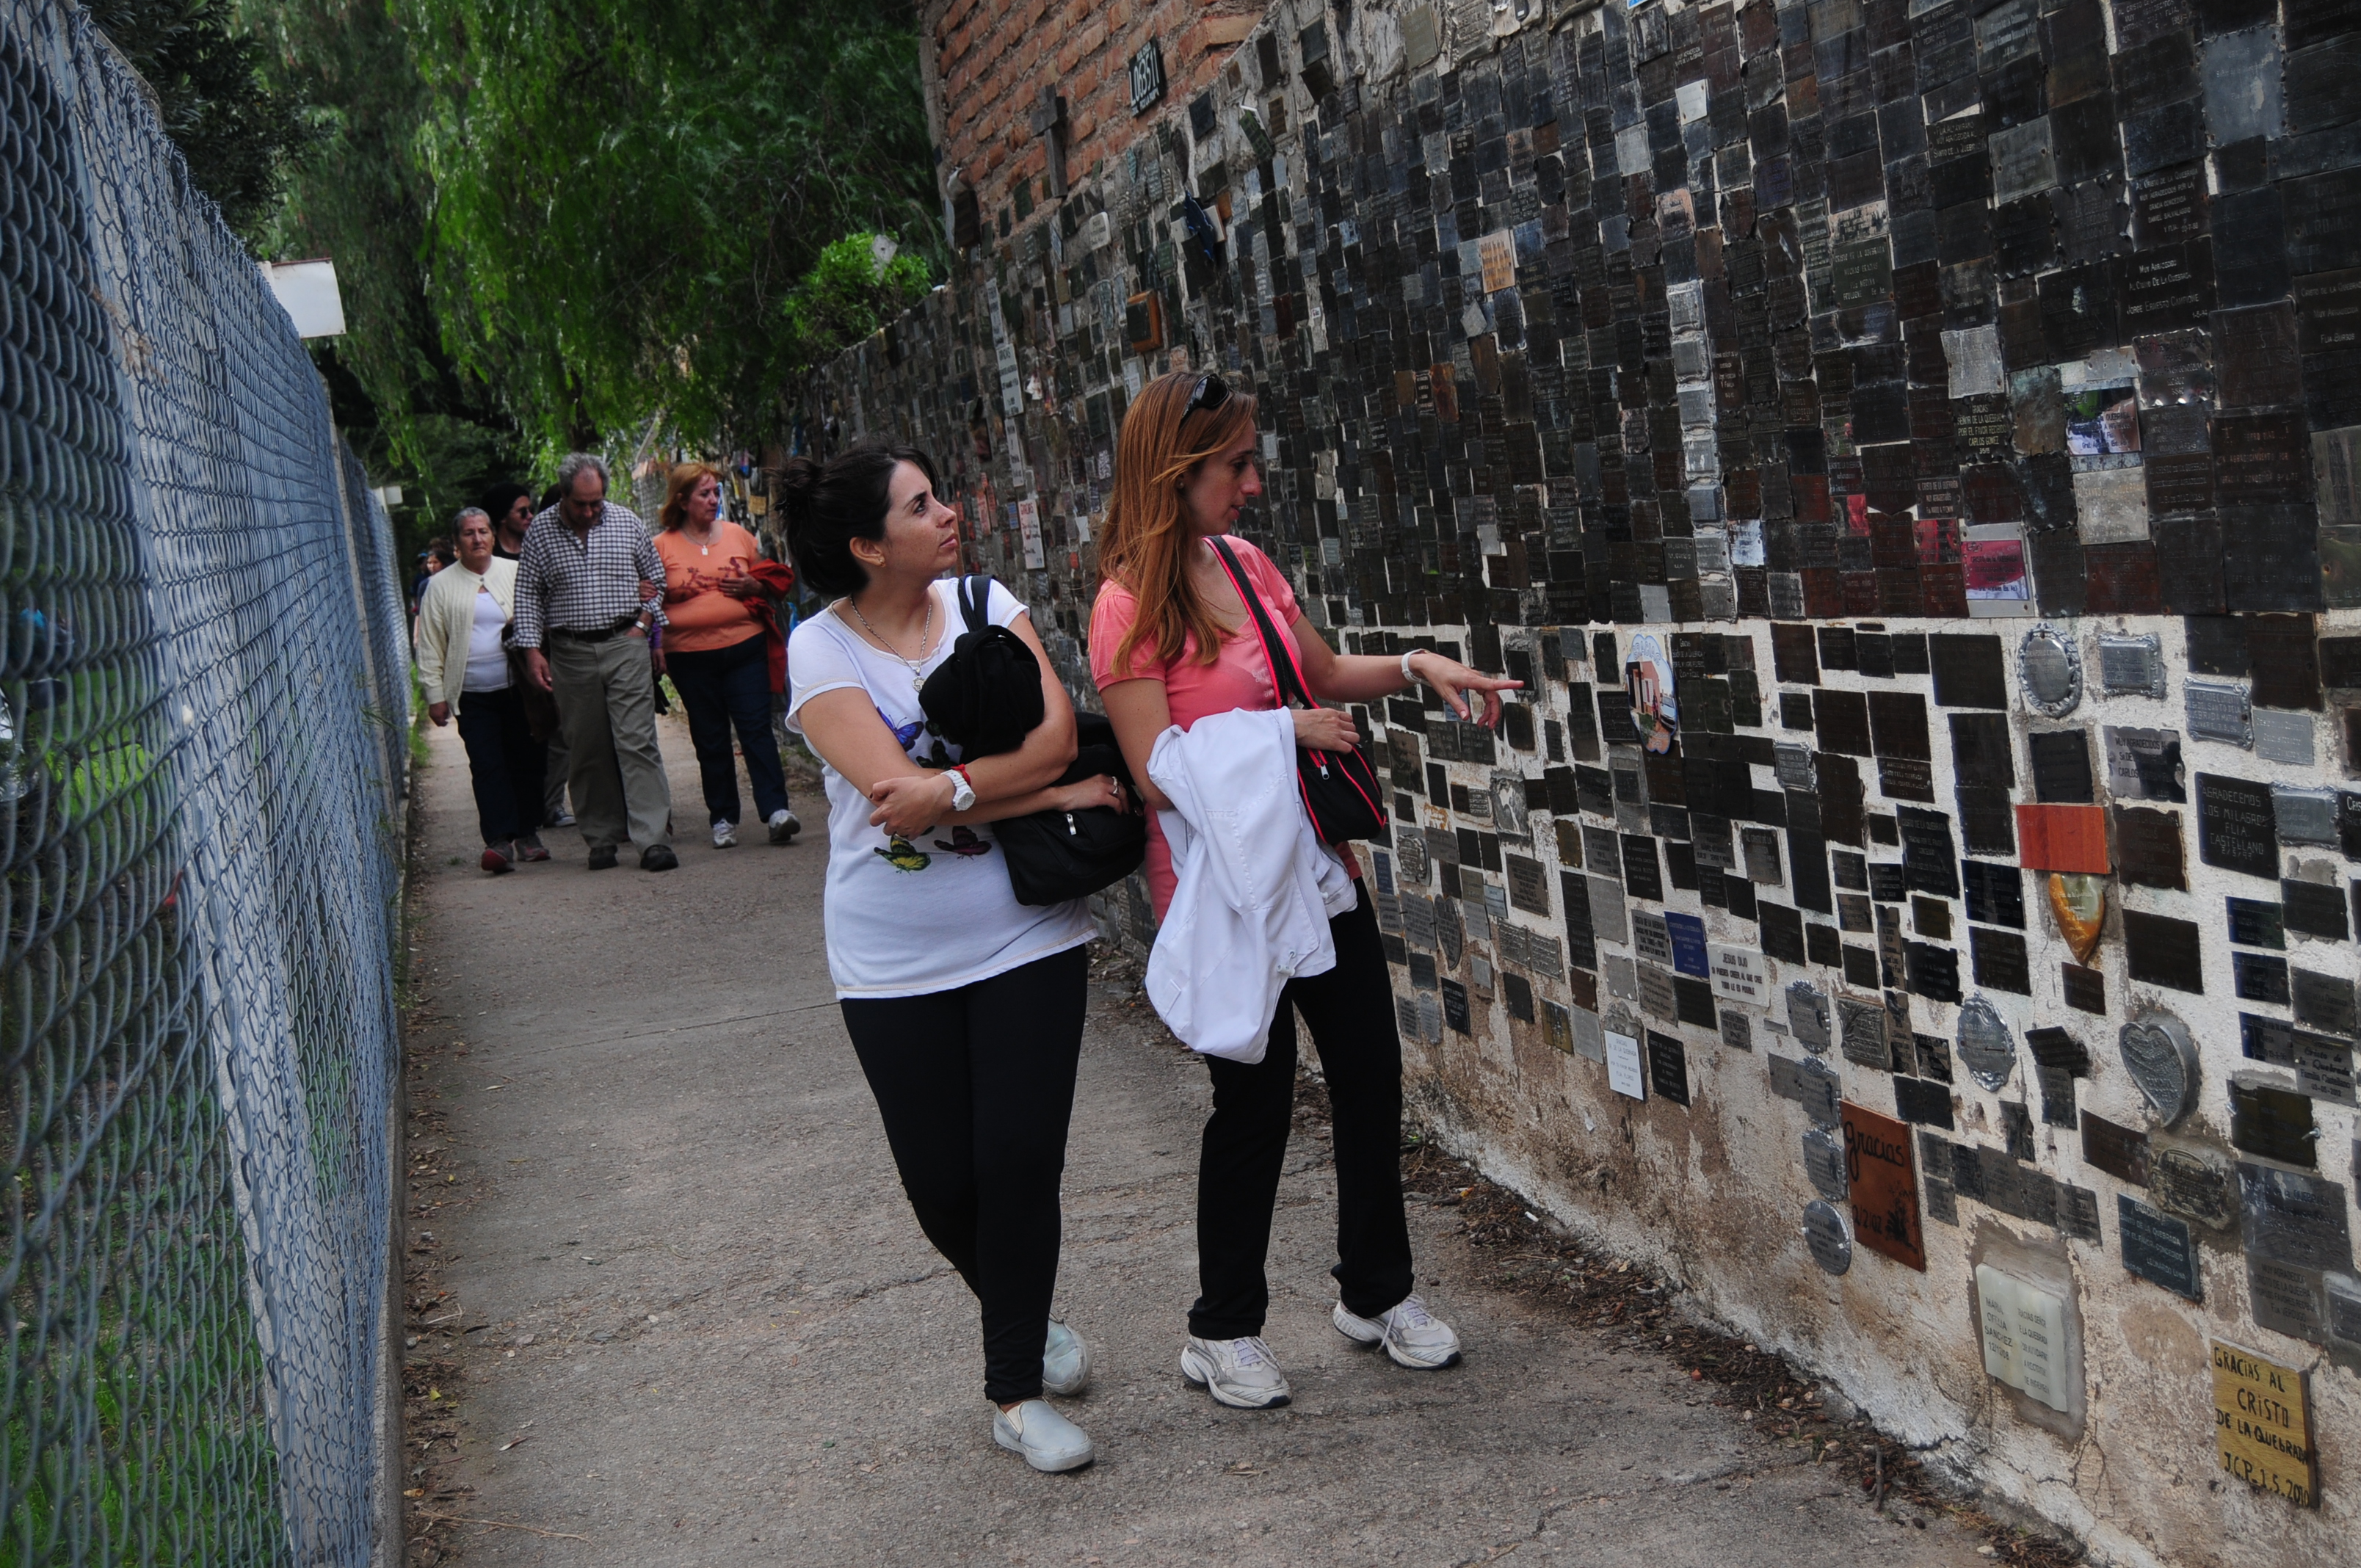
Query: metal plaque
2219	710
2194	1183
1986	1047
2293	1218
2157	1052
2049	667
2143	764
1410	849
1795	767
2237	825
2325	1002
2131	665
1864	1030
2286	1298
2272	1122
1824	1162
1826	1234
2159	1248
2121	1152
2284	736
1808	1015
1668	1067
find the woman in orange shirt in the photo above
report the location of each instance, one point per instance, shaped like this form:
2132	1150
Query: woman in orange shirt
713	651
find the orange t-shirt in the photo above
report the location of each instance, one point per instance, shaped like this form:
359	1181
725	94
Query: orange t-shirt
698	617
1239	676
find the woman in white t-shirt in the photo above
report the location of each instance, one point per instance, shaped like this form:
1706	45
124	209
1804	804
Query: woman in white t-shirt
964	1006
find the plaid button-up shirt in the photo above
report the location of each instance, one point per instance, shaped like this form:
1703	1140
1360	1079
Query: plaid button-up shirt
569	581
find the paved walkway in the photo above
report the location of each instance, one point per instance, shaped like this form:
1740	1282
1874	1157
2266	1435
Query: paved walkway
691	1320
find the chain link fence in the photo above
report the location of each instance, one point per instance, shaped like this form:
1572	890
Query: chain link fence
204	711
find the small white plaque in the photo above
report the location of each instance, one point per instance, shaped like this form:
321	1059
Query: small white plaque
1738	975
1624	1073
2024	1335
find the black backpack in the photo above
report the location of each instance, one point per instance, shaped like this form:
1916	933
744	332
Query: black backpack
986	698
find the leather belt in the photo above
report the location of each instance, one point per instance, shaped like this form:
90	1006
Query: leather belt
600	635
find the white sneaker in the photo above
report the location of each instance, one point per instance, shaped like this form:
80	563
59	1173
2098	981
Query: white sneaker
1065	1361
784	826
1048	1441
1413	1336
724	835
1240	1373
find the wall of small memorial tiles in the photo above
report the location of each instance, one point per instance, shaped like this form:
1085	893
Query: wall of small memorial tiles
1908	450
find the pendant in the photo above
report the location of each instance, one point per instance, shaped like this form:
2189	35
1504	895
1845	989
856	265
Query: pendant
917	683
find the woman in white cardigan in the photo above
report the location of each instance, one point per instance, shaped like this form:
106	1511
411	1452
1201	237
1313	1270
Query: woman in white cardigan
463	662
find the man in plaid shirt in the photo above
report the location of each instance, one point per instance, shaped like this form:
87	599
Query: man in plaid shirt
589	587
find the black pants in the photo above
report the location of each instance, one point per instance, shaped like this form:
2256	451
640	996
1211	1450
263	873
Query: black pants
975	1087
1350	1011
721	688
504	762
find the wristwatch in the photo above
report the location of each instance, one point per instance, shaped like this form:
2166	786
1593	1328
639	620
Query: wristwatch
1410	677
963	791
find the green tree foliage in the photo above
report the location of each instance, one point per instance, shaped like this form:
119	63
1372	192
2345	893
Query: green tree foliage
234	126
627	196
847	295
357	194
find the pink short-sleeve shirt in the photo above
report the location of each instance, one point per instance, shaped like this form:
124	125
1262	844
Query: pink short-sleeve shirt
1239	676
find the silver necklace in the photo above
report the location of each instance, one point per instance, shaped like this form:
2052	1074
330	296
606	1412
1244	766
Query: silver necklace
925	636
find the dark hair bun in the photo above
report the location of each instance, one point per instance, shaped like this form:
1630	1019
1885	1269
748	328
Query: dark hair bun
829	505
798	482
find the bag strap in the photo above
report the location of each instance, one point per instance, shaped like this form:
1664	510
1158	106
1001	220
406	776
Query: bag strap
1285	679
976	612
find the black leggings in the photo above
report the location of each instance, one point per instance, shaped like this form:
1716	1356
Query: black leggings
975	1087
1350	1011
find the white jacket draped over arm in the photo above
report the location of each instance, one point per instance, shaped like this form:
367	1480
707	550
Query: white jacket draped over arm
1254	888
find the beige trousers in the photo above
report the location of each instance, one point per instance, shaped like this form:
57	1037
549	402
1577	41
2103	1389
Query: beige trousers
606	705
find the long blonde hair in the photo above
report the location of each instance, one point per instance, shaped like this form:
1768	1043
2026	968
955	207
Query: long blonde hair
683	479
1144	546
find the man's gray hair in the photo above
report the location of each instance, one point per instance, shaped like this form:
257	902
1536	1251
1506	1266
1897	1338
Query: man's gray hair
572	467
460	521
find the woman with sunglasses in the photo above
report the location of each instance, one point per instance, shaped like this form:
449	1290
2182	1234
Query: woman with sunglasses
1170	642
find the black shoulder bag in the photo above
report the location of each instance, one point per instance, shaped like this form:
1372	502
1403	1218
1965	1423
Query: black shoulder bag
1057	855
1339	788
986	698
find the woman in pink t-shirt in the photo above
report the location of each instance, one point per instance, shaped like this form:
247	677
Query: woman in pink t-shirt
1171	641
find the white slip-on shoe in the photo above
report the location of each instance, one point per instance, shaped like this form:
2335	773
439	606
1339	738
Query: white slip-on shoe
1048	1441
1240	1373
1413	1336
1065	1361
724	835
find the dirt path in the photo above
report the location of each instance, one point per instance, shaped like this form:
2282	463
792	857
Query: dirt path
670	1306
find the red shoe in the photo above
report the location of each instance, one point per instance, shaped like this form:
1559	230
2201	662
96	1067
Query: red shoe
496	860
529	848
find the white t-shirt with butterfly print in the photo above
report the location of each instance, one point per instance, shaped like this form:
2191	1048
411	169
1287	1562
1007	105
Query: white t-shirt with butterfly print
934	912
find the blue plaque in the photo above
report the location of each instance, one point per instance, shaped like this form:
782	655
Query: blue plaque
1688	943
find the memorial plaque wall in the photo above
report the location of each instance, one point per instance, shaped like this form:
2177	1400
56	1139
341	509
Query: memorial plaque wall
1799	345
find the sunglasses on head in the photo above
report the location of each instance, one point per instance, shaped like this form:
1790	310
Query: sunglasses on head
1212	393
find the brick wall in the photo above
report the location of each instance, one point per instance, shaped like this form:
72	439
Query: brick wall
993	59
1959	406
